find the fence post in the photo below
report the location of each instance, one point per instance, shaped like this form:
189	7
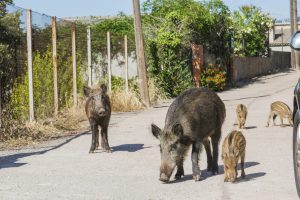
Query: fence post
74	64
29	60
54	57
109	62
126	64
90	82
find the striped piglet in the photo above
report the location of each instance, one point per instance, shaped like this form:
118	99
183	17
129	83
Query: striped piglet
233	148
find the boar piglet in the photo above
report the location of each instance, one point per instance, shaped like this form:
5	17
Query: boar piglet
233	149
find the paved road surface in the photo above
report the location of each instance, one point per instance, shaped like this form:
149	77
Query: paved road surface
65	170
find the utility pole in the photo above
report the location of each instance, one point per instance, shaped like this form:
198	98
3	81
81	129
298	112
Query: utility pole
294	28
140	53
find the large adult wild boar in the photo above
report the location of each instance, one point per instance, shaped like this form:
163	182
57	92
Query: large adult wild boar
192	118
98	111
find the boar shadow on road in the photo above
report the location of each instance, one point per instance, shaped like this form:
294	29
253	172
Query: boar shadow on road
11	161
250	127
250	177
206	174
129	147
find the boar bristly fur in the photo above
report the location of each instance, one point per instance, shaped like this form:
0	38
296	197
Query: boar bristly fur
193	118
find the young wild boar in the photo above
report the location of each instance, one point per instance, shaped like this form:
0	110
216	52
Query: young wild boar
234	147
282	110
98	111
193	117
241	114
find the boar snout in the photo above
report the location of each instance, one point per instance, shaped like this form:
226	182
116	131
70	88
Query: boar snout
232	176
166	172
102	112
164	178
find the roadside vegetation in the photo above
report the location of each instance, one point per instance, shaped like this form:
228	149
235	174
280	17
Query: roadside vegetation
170	28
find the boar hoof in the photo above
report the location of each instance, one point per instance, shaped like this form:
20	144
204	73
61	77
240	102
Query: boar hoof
225	179
197	177
108	150
91	151
214	173
178	176
209	169
243	175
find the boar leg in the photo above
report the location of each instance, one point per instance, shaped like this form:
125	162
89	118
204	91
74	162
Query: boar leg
95	130
274	118
180	170
270	116
226	179
104	139
195	158
206	143
97	138
243	166
281	121
290	121
215	145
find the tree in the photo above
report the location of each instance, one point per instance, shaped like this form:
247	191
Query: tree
250	27
172	26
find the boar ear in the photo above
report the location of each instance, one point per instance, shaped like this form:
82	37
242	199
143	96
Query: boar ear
177	130
103	88
86	91
156	131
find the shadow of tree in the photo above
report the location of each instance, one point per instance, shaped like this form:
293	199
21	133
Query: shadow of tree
11	160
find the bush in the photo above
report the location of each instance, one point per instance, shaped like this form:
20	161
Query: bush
214	78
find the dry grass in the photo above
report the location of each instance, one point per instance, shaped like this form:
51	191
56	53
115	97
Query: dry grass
121	102
156	94
15	134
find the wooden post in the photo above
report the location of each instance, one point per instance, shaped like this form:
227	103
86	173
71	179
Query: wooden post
197	52
126	64
74	64
54	57
29	60
109	62
90	82
140	53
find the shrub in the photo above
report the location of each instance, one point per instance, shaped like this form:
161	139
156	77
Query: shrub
214	78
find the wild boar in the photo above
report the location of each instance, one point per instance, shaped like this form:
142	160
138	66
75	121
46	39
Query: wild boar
282	110
98	111
194	116
233	149
241	113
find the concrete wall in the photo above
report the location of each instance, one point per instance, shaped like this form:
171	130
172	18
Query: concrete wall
249	67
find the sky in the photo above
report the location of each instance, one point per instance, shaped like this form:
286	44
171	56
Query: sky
278	9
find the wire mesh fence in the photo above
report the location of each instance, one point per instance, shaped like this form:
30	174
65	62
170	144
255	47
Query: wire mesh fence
60	62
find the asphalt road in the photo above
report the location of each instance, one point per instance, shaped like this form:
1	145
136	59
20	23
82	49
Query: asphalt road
64	169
